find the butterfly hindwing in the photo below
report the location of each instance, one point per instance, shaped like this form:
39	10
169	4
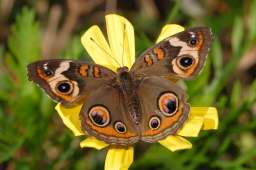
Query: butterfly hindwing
164	108
105	116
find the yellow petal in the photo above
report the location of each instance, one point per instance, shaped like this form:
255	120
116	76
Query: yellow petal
119	158
92	142
70	117
121	39
98	48
210	115
175	143
169	30
192	126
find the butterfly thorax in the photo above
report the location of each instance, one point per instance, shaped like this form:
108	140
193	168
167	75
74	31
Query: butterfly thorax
127	86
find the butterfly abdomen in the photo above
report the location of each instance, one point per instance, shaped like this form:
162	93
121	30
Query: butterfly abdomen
130	96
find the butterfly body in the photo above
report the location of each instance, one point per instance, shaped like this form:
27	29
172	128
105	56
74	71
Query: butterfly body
128	85
129	105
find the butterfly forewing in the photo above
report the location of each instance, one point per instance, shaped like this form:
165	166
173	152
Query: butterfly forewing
68	81
180	56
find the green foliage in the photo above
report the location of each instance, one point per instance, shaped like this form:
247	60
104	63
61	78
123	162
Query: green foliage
32	135
20	101
252	20
24	42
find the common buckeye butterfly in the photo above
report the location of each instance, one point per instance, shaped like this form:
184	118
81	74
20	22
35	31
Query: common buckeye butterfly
127	106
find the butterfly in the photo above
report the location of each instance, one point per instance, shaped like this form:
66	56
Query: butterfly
143	103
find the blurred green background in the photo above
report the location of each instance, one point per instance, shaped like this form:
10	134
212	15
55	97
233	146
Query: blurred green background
32	135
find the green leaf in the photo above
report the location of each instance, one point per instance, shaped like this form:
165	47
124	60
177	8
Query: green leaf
9	140
251	95
217	57
252	21
20	107
220	81
237	34
236	94
173	12
24	40
196	85
222	102
142	43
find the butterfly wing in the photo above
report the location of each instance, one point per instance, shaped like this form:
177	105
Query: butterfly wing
163	106
180	56
68	81
104	115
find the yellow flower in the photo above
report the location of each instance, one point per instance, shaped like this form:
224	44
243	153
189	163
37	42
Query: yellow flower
109	54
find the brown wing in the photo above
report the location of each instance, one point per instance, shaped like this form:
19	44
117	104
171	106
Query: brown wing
180	56
164	108
68	81
104	115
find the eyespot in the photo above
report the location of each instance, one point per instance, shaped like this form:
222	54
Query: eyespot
65	87
99	116
185	61
193	40
154	123
120	127
47	71
168	104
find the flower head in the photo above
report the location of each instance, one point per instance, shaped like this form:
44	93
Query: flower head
120	51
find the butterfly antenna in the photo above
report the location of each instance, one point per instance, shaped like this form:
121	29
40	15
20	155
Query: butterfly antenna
105	51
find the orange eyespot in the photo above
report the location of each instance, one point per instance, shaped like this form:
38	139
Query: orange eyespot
120	127
168	103
64	87
185	62
99	116
154	122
